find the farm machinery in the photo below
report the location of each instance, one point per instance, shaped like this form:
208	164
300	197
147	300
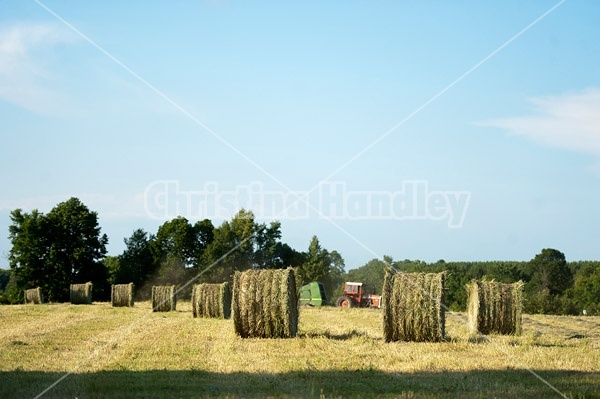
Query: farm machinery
354	296
313	294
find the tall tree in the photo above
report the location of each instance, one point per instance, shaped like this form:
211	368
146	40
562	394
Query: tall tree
334	281
63	247
267	254
28	234
137	262
113	268
232	247
204	234
317	264
289	256
78	245
183	242
549	272
175	238
586	291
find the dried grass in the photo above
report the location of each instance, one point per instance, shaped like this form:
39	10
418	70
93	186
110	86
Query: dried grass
34	296
164	298
121	295
211	300
81	294
495	308
265	304
412	307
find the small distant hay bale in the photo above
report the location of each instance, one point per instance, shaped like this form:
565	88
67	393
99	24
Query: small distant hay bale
495	308
34	296
81	294
211	300
265	303
413	307
164	298
121	295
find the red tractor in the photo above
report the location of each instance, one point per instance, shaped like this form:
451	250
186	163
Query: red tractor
355	297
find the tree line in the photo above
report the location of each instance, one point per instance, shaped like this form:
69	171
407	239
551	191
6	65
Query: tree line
553	285
66	246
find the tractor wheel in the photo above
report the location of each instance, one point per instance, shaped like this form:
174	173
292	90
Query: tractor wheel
344	302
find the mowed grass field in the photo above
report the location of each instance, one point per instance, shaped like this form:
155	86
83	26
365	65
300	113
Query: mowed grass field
133	353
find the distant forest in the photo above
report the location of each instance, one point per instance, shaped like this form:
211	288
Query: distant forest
66	246
553	285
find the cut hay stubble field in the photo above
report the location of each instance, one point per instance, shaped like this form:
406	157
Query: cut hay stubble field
337	353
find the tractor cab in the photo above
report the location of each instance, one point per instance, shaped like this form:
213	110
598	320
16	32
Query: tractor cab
354	291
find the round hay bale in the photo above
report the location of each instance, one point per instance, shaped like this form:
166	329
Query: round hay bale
34	296
164	298
413	307
265	304
495	308
211	300
81	294
122	295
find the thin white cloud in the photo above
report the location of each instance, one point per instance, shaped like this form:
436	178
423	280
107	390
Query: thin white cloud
570	121
28	77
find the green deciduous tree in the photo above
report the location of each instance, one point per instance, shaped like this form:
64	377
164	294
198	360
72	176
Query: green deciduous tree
175	238
113	268
137	261
334	281
549	271
28	234
585	293
267	254
54	250
204	234
232	248
78	246
548	277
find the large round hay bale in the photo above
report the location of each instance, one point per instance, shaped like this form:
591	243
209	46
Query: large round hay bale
265	304
211	300
164	298
413	307
121	295
495	308
34	296
81	294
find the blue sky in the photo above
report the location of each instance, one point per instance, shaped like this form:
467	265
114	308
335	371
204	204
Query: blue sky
283	97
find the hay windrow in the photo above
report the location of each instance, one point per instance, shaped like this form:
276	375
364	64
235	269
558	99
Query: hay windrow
164	298
265	304
495	308
211	300
121	295
412	307
81	294
34	296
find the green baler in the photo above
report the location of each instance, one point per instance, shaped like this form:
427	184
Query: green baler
313	294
